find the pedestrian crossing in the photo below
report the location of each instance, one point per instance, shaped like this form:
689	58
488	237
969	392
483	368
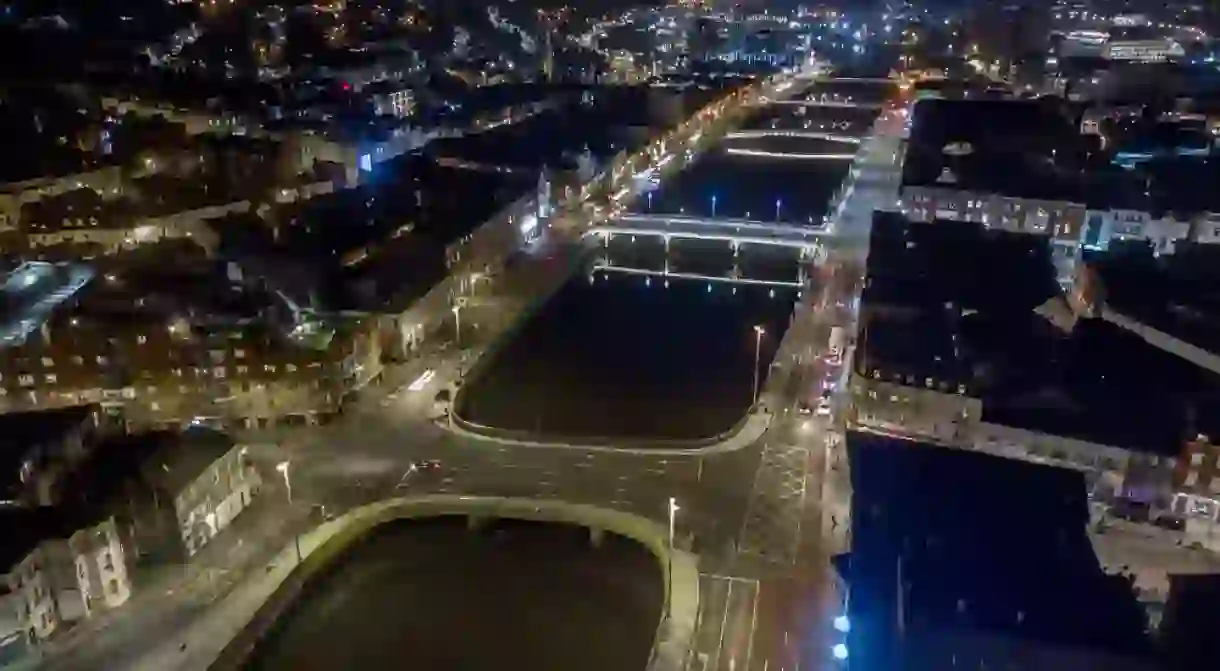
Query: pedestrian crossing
772	526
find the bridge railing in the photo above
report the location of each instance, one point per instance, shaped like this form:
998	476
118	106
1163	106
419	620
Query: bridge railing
527	437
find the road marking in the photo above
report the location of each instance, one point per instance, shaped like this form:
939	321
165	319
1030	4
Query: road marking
730	578
724	622
753	629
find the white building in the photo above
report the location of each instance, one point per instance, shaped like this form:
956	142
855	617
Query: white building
211	482
67	575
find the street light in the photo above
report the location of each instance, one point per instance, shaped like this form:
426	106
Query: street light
673	511
282	467
713	206
758	334
457	325
778	203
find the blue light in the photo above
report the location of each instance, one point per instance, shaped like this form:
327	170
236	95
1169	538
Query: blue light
842	624
839	651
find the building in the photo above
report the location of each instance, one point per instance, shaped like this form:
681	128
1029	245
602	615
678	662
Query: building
60	577
1034	167
41	450
963	560
177	337
966	339
997	162
1139	41
208	478
15	643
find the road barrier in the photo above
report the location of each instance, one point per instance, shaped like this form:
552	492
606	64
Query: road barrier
679	569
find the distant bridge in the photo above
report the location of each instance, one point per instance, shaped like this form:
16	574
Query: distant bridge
733	231
700	223
695	276
803	134
789	155
833	104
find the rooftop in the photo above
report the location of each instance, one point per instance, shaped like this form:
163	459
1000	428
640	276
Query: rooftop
39	130
1178	294
162	316
950	305
30	294
1000	551
177	458
22	432
1009	147
26	528
359	248
1033	149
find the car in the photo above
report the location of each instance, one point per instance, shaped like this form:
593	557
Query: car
428	465
803	408
824	408
1171	522
440	404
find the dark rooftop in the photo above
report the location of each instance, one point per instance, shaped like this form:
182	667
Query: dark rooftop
954	303
20	432
1178	294
383	242
985	549
26	528
1011	147
550	138
177	458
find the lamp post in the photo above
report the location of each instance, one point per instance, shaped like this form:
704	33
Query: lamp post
673	512
758	334
457	325
778	203
283	467
713	206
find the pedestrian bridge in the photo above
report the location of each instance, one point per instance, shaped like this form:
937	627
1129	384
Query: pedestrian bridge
802	134
681	220
733	231
667	274
830	104
861	80
607	232
785	155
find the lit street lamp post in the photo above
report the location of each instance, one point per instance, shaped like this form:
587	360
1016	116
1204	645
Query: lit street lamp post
457	325
713	206
778	203
283	467
758	334
673	511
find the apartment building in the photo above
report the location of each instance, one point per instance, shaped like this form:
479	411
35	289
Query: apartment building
175	340
1026	166
209	480
957	345
61	581
39	450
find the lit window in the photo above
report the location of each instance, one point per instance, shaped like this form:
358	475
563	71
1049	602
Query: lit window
48	362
